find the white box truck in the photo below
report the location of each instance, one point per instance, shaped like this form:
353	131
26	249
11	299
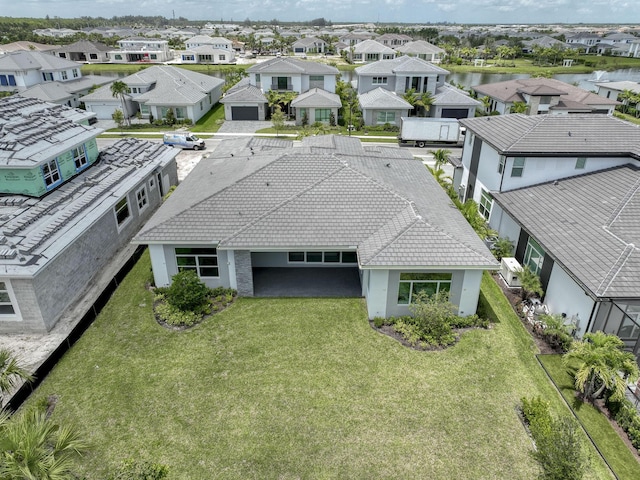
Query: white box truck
183	140
418	131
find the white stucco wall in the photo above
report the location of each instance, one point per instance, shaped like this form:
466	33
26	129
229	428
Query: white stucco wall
163	263
502	222
564	295
377	292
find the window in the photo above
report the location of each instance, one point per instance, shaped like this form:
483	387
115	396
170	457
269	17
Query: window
93	56
122	211
316	78
64	75
323	257
201	107
545	100
323	114
372	57
257	78
386	117
222	58
379	80
501	164
6	307
79	157
51	174
518	167
118	56
75	73
63	55
152	183
486	202
188	58
3	80
427	283
581	162
154	56
47	76
203	261
533	256
141	198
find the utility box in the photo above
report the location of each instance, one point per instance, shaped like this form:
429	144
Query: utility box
510	269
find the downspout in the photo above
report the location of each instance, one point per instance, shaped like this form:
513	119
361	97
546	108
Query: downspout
504	168
593	309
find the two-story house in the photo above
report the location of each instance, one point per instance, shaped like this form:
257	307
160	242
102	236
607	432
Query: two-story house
542	96
140	49
67	210
565	190
84	51
284	74
23	69
381	86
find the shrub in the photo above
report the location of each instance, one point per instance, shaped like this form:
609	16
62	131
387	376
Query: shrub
536	415
502	248
187	292
561	453
409	331
628	419
378	322
140	470
433	315
176	317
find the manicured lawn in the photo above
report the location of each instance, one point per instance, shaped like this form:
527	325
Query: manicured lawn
208	123
604	436
297	388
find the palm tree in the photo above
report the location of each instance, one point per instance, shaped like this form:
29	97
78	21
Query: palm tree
519	107
602	365
441	156
626	97
118	90
411	98
11	373
426	101
35	447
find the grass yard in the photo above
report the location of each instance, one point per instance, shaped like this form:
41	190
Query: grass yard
298	388
209	123
613	448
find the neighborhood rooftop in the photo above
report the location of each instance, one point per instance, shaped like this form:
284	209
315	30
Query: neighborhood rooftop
400	65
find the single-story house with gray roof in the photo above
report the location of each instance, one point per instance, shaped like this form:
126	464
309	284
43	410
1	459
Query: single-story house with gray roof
381	106
317	105
329	217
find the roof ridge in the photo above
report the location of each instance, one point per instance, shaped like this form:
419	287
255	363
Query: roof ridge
615	269
623	203
401	232
341	165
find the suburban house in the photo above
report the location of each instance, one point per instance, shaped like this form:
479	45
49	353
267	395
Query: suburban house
21	69
317	105
565	190
66	209
528	46
26	46
351	39
381	86
140	49
613	89
371	51
69	93
285	74
422	49
634	48
84	52
309	45
393	40
208	54
541	96
157	89
220	43
330	216
585	40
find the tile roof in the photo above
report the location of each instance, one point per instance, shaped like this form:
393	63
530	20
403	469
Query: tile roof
372	46
244	93
289	197
621	86
589	225
419	47
292	65
518	134
32	60
510	91
317	97
381	98
84	46
400	65
450	95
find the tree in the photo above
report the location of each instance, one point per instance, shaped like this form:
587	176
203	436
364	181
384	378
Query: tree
277	118
118	117
602	365
441	156
35	447
118	90
11	373
519	107
530	283
187	292
170	117
560	452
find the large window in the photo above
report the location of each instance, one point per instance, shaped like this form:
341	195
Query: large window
47	76
6	307
323	257
379	80
51	174
203	261
122	211
501	164
386	117
79	157
534	256
8	80
518	167
372	57
486	202
428	283
323	114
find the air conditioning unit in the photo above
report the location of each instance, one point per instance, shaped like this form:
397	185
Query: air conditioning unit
509	269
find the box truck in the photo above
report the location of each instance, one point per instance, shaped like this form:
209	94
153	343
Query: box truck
418	131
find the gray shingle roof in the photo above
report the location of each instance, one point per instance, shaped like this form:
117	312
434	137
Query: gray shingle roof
381	98
292	65
400	65
33	60
588	224
372	46
244	93
317	97
450	95
589	135
290	198
419	47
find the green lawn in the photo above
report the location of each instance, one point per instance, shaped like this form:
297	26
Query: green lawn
208	123
298	388
605	437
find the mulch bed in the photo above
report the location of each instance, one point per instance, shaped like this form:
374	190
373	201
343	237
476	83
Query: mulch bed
389	331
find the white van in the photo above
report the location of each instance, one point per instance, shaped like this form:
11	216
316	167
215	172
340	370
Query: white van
183	140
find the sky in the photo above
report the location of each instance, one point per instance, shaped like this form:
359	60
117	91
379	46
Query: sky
337	11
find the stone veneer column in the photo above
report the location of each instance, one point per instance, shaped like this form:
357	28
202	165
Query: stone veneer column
244	274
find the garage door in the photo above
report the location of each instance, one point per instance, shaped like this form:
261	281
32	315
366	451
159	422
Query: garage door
455	113
244	113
